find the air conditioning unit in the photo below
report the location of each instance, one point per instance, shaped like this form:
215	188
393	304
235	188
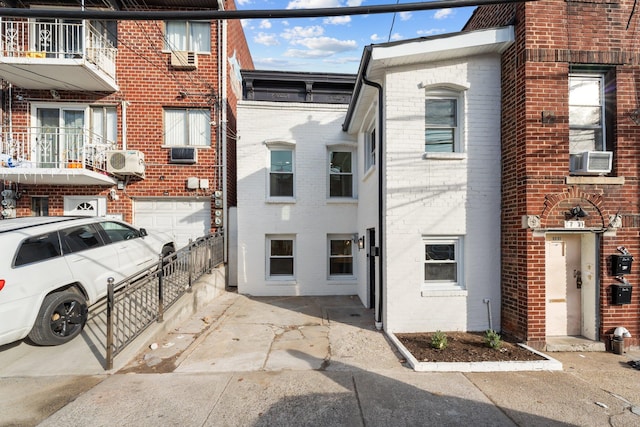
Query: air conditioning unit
188	155
125	162
591	162
184	60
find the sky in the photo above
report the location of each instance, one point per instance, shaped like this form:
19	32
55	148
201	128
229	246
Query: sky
335	44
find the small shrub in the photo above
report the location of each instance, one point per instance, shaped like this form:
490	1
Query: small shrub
439	340
493	339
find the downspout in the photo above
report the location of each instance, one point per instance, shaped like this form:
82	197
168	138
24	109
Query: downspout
378	315
222	124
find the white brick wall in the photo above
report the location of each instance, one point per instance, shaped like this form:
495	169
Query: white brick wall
422	197
312	128
431	197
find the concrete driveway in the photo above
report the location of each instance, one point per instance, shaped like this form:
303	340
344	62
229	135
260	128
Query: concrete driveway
241	361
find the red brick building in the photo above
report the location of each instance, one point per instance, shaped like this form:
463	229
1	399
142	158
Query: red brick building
570	197
130	118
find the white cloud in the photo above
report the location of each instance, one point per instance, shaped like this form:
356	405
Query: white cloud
354	3
376	38
431	31
245	23
302	32
442	13
327	44
299	53
342	60
337	20
320	47
312	4
272	63
396	37
266	39
242	2
405	16
265	23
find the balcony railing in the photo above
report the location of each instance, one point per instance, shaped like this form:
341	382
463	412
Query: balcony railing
47	147
52	39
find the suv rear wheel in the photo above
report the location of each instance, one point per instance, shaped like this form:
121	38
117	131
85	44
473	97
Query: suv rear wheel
60	319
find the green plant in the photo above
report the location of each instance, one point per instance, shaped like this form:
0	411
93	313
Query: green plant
439	340
493	339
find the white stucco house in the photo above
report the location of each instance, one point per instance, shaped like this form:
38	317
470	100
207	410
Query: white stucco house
414	160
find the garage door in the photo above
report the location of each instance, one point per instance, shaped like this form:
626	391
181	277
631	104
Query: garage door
184	218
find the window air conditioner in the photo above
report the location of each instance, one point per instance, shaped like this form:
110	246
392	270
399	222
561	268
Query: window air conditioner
591	162
125	162
184	60
188	155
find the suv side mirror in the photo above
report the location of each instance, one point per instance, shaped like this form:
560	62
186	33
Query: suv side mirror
143	232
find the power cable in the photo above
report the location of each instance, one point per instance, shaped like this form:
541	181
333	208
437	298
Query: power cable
180	15
393	22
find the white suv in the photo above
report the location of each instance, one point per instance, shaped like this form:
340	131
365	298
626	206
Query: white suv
53	268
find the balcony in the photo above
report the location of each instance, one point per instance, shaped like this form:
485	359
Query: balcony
54	156
51	54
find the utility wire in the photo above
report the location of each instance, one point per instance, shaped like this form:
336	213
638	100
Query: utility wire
179	15
393	22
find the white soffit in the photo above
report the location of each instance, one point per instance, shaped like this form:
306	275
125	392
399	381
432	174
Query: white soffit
493	40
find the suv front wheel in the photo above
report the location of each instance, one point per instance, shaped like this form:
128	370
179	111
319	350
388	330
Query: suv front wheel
60	319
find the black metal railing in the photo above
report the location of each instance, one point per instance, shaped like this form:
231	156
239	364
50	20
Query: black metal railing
142	299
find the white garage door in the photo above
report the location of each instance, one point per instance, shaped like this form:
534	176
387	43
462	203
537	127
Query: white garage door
184	218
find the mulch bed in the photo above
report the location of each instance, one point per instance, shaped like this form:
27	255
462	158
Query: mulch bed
464	347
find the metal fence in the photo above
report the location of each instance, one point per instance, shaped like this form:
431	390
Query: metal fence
140	300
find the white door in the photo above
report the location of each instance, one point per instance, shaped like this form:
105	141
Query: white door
563	285
184	218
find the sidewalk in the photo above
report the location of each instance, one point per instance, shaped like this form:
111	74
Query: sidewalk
319	361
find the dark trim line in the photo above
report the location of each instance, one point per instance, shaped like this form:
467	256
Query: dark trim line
380	133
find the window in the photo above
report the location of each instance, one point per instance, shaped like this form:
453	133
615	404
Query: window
188	35
38	248
281	173
117	232
39	206
281	257
442	264
184	127
441	132
340	174
340	256
369	149
586	114
104	125
76	239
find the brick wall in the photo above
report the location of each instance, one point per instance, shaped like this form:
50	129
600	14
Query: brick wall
147	85
551	36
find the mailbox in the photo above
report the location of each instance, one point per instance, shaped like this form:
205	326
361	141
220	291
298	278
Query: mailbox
621	264
621	294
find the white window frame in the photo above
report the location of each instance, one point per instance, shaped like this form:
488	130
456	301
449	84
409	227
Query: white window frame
276	148
269	256
332	173
457	242
103	124
190	130
187	40
446	93
370	144
600	104
330	256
